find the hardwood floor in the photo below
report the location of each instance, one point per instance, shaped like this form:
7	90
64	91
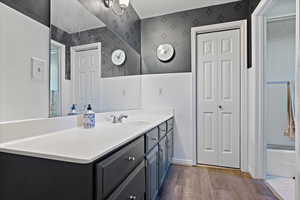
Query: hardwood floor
200	183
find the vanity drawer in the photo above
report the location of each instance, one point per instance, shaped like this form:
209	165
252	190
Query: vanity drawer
151	139
133	188
162	130
112	171
170	124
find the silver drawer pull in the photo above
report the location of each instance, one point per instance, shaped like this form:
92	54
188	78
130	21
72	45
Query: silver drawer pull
132	197
154	139
131	158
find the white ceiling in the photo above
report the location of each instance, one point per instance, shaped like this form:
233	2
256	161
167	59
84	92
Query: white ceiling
72	17
280	8
152	8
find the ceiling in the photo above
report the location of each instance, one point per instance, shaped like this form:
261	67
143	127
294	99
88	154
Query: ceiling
72	17
152	8
281	8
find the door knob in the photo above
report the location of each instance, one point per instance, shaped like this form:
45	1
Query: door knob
131	158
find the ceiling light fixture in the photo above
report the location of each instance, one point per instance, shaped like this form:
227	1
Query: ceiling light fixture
118	6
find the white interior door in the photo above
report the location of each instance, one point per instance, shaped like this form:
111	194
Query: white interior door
218	98
87	78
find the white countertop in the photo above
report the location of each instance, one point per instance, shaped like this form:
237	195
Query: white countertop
78	145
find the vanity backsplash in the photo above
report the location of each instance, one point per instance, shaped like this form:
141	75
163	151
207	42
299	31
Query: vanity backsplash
16	130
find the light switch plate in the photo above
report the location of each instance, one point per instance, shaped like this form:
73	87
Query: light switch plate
37	69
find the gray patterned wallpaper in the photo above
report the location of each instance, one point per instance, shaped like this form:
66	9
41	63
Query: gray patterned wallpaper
252	5
127	26
109	42
173	28
38	10
176	29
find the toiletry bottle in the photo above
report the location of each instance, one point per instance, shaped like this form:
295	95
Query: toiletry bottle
73	110
89	120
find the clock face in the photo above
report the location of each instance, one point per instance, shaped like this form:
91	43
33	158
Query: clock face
118	57
165	52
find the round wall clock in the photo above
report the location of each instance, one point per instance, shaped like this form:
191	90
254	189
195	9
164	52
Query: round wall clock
165	52
118	57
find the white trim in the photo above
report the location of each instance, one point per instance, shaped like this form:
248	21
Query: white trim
182	162
242	25
86	47
62	60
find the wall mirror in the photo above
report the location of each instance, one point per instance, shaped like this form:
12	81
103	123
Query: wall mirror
89	62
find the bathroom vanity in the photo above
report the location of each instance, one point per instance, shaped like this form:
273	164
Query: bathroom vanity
112	161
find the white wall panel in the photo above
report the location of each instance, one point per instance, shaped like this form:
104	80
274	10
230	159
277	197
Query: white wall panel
174	91
22	38
120	93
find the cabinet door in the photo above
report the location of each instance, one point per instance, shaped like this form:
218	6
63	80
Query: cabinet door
162	160
121	163
170	144
152	174
151	139
133	188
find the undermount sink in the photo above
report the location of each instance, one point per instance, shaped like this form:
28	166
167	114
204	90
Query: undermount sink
136	123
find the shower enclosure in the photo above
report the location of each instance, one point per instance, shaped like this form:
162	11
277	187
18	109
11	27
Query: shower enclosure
279	105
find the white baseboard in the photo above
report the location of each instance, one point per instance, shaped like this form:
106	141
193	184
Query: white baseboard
182	162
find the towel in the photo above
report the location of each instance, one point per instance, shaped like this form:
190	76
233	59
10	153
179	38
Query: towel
290	130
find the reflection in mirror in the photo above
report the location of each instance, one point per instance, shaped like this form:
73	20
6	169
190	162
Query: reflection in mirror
55	93
89	63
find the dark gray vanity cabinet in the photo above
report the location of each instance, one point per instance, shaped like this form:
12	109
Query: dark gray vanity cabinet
159	158
152	174
134	171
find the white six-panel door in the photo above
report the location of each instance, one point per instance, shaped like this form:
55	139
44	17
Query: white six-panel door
218	98
87	78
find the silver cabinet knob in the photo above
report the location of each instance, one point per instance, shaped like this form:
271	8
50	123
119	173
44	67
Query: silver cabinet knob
131	158
132	197
221	107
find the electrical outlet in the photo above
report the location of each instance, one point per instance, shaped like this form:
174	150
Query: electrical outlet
37	69
124	92
160	91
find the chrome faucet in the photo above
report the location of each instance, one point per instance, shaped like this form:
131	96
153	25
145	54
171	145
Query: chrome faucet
116	120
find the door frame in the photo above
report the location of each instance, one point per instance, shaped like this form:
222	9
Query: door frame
242	25
62	60
85	47
258	40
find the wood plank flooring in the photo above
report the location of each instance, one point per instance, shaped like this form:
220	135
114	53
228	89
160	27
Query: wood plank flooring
200	183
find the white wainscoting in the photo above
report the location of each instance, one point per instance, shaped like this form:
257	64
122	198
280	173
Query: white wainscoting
120	93
174	91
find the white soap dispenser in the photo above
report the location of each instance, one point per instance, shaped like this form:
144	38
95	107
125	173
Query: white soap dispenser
89	116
